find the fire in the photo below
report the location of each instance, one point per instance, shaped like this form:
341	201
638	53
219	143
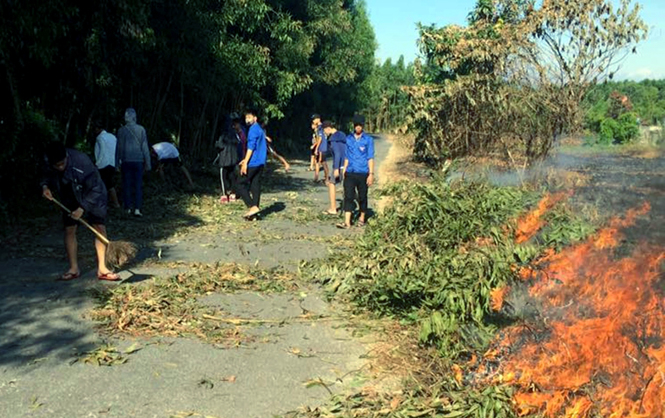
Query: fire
528	226
600	349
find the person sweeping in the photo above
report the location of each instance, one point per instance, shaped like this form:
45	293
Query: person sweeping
83	194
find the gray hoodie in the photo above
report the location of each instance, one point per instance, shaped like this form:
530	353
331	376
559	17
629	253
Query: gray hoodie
132	144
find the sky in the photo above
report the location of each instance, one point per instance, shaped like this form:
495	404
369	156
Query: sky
395	22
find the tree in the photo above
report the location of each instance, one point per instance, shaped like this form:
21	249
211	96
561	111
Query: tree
513	79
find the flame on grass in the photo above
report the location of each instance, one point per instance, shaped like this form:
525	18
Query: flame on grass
601	349
532	222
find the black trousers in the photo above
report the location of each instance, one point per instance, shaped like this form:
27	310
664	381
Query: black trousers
249	186
229	179
355	182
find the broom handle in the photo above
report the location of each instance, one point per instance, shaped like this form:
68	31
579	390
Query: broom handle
99	235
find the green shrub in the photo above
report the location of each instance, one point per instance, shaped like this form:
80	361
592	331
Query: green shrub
608	131
628	128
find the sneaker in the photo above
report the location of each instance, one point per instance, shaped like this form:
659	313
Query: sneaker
232	198
224	200
129	211
137	213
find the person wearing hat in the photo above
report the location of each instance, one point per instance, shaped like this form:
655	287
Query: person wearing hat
358	172
321	147
337	146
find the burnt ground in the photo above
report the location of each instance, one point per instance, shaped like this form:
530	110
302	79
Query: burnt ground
45	326
617	182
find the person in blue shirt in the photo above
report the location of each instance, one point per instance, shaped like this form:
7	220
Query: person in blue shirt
358	172
321	148
337	147
251	167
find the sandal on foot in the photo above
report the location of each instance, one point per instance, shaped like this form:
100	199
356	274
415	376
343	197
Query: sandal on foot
251	214
109	277
343	226
327	212
360	224
69	276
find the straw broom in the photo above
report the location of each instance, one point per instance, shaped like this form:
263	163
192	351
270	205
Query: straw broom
117	252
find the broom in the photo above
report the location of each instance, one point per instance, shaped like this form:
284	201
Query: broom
117	252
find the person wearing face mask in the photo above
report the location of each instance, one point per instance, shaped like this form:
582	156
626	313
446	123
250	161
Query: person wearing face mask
251	167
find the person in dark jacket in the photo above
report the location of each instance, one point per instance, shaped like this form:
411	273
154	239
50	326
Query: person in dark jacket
227	160
81	189
133	157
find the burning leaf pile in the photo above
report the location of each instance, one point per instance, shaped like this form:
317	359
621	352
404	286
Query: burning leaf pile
598	348
168	306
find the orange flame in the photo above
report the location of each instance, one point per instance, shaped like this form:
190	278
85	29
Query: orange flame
603	352
530	224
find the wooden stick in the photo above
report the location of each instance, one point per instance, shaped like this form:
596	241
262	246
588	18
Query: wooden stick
99	235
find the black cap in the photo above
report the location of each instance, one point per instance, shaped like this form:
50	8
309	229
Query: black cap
316	116
327	124
358	120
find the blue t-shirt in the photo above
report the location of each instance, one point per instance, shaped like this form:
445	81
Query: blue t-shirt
323	147
359	151
338	146
256	141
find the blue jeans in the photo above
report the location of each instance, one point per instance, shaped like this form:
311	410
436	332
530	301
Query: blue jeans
132	177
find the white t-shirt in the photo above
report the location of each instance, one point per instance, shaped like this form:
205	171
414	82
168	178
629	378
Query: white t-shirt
105	150
166	150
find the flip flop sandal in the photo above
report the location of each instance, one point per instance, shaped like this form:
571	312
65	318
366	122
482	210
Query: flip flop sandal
69	276
360	224
342	226
250	215
109	277
327	212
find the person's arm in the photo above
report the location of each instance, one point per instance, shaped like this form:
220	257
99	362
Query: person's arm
145	149
47	181
370	161
269	139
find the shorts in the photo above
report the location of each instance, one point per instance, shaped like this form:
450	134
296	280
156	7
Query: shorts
171	161
312	151
70	203
108	176
323	155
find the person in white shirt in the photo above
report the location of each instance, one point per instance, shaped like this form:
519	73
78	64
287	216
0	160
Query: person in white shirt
167	154
105	160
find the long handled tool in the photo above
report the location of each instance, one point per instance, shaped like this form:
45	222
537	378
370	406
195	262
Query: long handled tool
117	252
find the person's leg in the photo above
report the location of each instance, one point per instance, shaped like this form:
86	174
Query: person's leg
255	188
71	247
139	185
362	197
113	196
326	171
349	196
242	189
317	167
186	173
100	248
127	193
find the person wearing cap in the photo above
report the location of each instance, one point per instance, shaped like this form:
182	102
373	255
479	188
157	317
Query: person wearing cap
337	146
321	147
358	172
251	167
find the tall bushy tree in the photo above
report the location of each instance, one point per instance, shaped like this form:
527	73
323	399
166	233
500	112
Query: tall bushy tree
513	78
